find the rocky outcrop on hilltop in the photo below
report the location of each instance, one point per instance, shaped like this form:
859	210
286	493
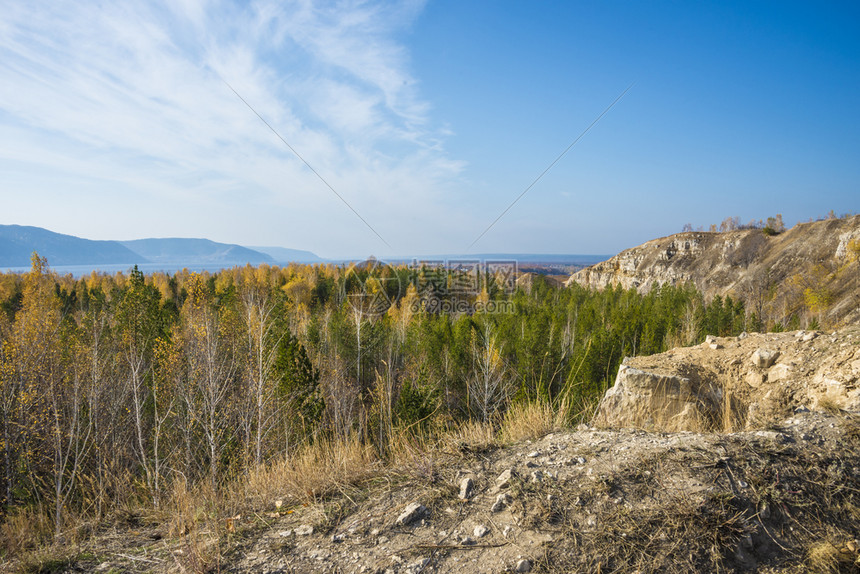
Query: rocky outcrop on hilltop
745	263
733	383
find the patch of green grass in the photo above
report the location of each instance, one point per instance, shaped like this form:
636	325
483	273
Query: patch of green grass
45	563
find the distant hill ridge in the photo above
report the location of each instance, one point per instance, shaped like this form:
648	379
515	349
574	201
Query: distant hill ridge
177	250
284	254
18	242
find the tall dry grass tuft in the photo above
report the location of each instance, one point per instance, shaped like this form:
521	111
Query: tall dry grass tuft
732	413
528	420
576	403
314	471
197	515
825	556
474	435
186	507
416	454
828	405
23	530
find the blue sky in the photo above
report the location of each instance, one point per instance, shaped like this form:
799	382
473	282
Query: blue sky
428	118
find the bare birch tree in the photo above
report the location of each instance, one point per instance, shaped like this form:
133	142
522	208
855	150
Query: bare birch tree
489	384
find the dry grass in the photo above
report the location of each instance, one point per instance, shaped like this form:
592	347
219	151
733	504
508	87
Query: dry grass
186	507
826	557
829	405
527	421
812	500
202	517
415	454
473	435
205	519
314	471
732	415
23	530
193	514
46	560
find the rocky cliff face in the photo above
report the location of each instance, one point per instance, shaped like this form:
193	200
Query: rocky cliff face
743	263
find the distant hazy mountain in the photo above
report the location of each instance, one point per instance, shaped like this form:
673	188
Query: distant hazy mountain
180	251
17	243
284	255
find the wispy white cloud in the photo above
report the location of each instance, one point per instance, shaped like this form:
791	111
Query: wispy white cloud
128	99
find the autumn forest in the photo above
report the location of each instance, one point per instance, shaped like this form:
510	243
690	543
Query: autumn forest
114	388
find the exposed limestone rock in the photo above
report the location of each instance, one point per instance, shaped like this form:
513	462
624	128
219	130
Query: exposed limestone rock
755	379
413	512
834	391
779	372
764	358
844	239
738	386
524	566
467	541
712	343
502	501
655	399
417	567
467	488
504	479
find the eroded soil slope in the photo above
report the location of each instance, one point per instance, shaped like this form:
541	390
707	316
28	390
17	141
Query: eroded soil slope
779	500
